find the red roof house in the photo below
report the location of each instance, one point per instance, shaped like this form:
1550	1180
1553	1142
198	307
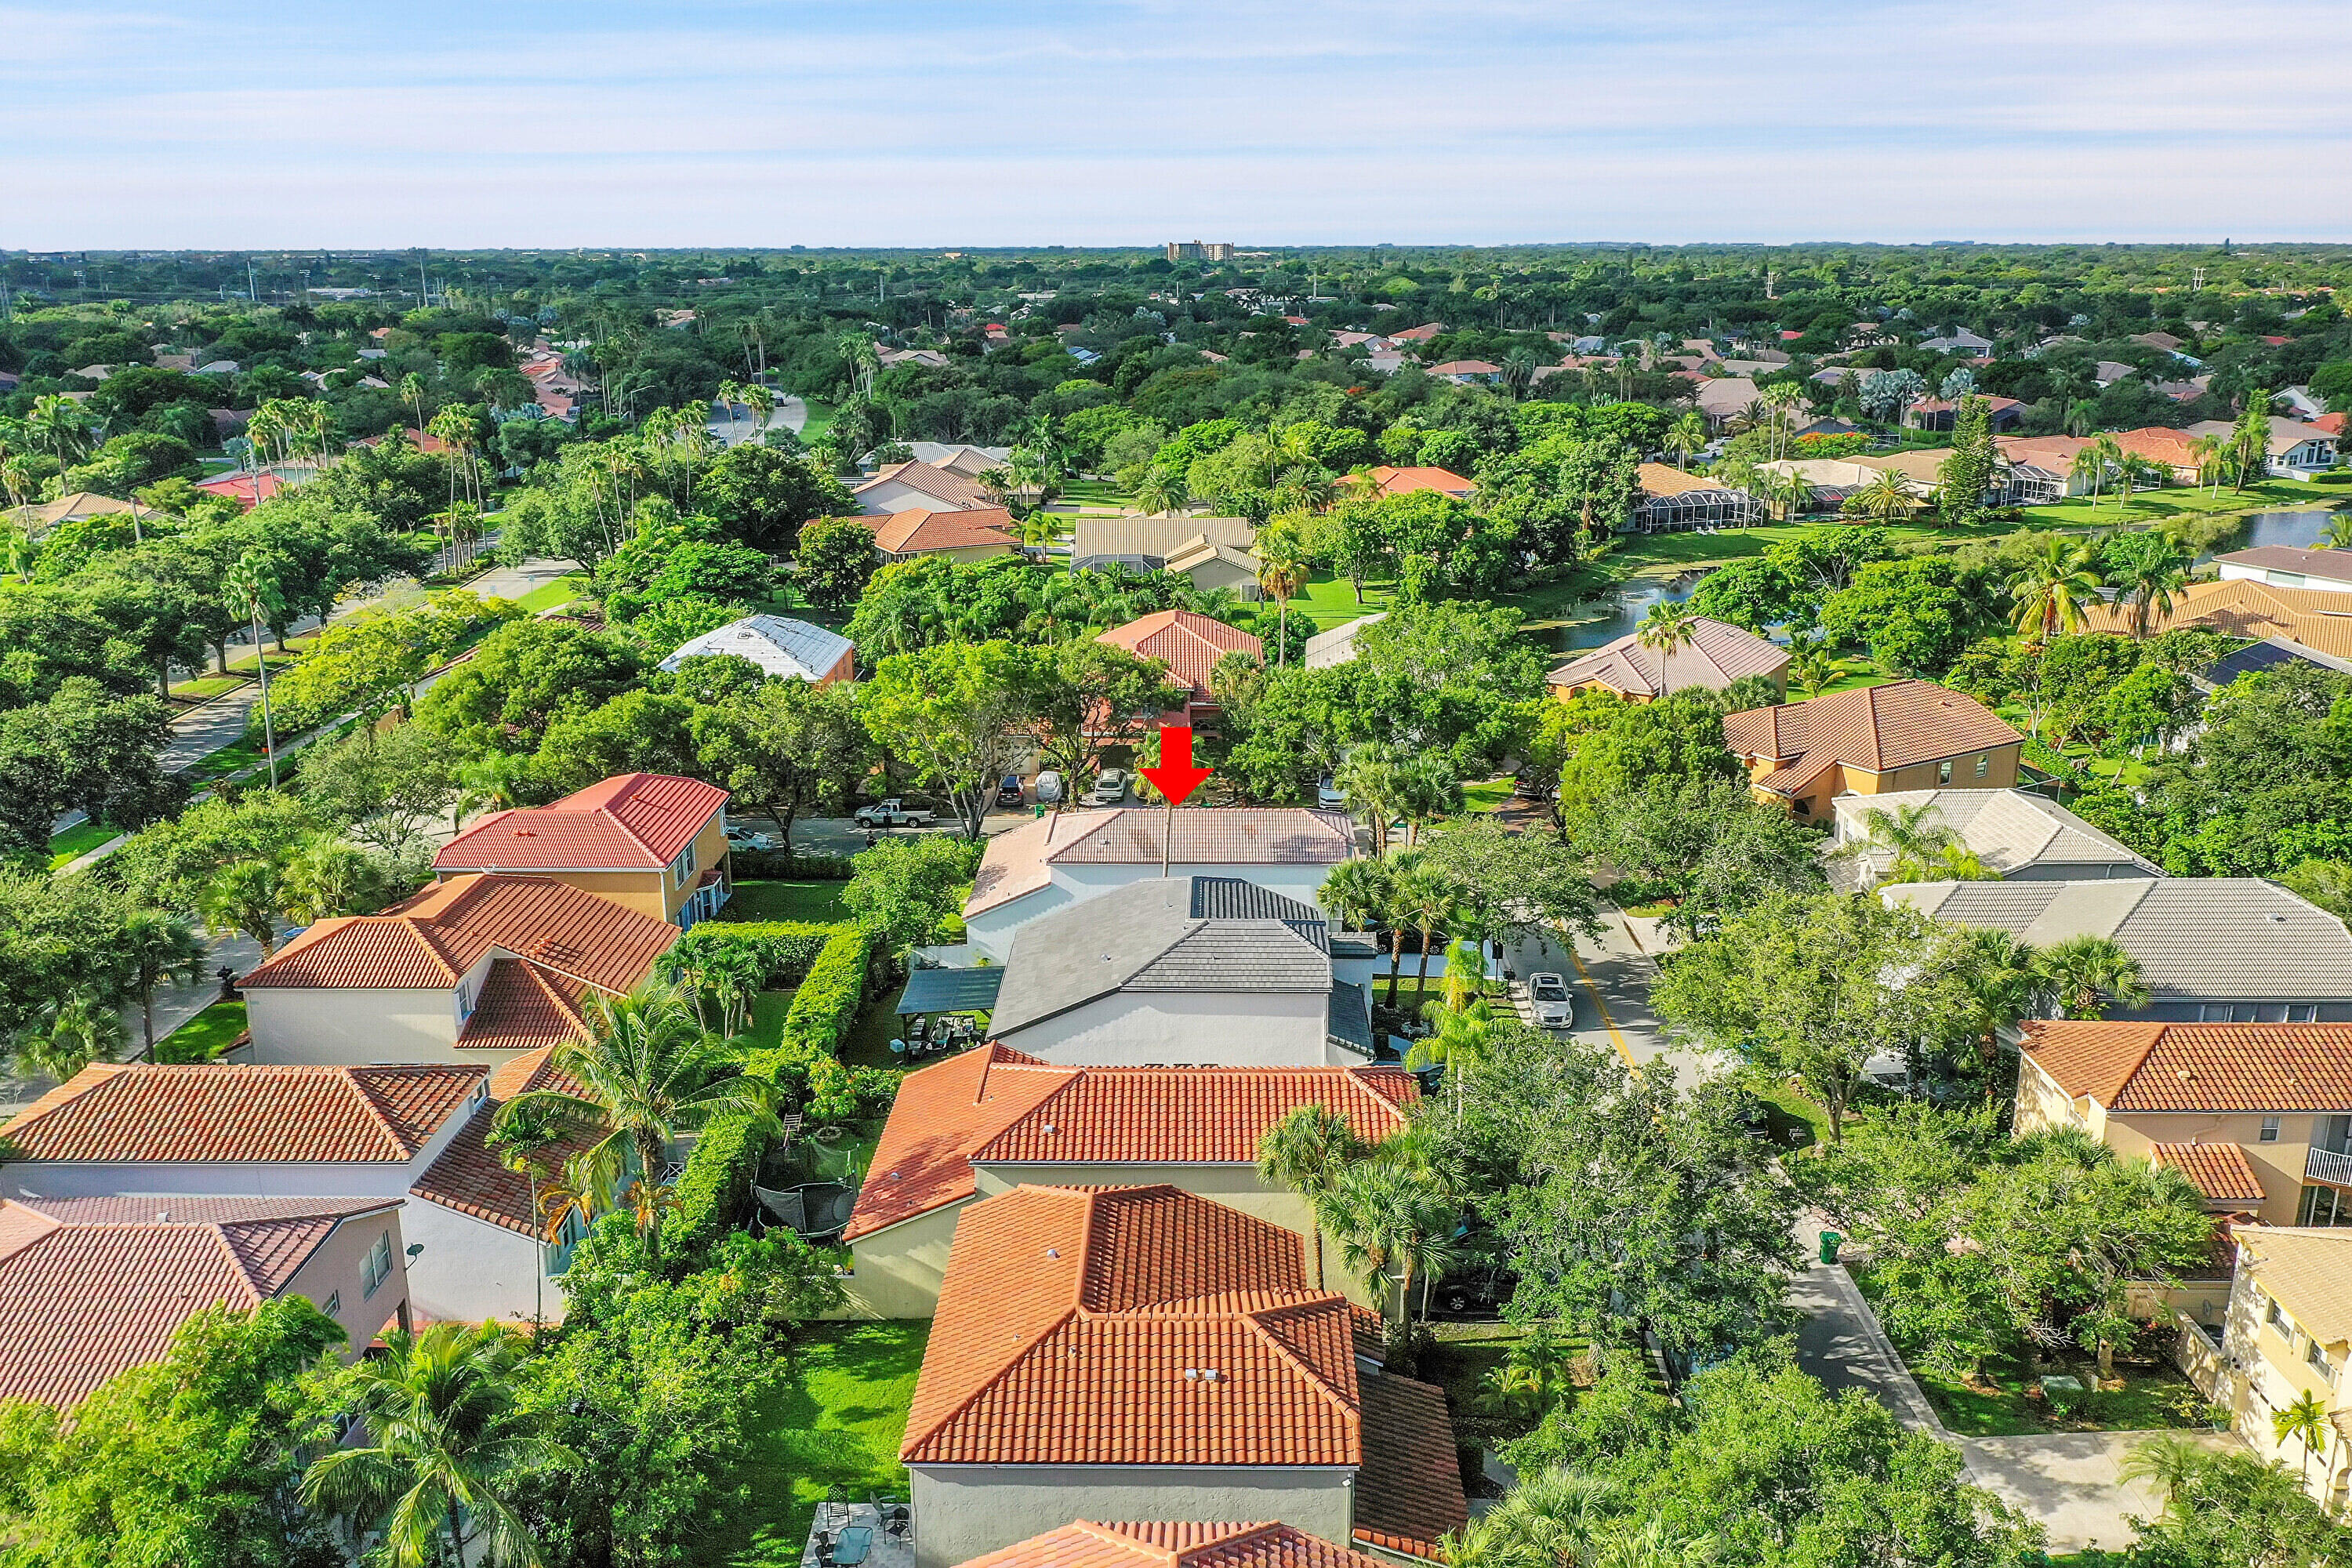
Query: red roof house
1188	644
1390	481
655	843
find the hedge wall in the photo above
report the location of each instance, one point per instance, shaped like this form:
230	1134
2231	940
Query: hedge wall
787	950
825	1009
714	1195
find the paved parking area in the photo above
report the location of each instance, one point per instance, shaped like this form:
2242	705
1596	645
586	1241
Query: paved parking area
2071	1482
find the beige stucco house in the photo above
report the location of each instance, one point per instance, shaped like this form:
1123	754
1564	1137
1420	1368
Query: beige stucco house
654	843
995	1119
2288	1334
1871	739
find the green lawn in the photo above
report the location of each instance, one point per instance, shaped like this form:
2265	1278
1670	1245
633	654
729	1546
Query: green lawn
204	1036
756	901
278	657
1461	1359
547	595
1490	794
1331	601
2155	505
868	1043
2155	1396
1789	1110
229	759
78	841
204	687
820	418
1097	494
834	1417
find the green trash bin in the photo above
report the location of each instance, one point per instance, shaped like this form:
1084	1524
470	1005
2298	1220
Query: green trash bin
1830	1240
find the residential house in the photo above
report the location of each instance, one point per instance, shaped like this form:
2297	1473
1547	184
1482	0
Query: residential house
2283	566
248	490
1186	970
2297	450
2174	451
784	647
1717	654
1936	413
1467	371
654	843
1871	739
2313	619
2258	1116
1829	482
1145	544
1212	566
1338	645
977	533
220	367
2164	342
908	487
476	969
2107	372
2288	1334
37	520
2210	949
1069	857
1958	342
1389	481
1190	644
166	1135
1722	399
996	1119
1923	471
1174	1544
1141	1352
93	1287
2018	837
1673	500
2308	405
2041	469
958	457
2271	653
1419	334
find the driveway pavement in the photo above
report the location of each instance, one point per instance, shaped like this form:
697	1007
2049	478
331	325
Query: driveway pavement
2069	1481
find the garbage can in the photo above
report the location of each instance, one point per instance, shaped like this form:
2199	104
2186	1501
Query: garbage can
1830	1240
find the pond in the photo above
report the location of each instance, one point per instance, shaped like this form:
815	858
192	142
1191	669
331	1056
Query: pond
1611	615
2300	530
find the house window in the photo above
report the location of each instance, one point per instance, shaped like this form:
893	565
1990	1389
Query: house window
2269	1129
1984	763
378	1267
684	866
334	1304
1943	772
2315	1355
2275	1316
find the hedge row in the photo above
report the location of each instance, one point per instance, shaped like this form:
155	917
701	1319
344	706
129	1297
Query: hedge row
825	1009
786	950
714	1195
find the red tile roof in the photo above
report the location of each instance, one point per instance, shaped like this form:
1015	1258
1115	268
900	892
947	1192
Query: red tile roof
942	485
83	1300
2159	444
250	488
1174	1544
920	528
471	1178
428	942
1069	1318
995	1104
113	1112
1408	1493
1873	728
2140	1066
523	1007
1390	481
1188	643
2219	1171
632	821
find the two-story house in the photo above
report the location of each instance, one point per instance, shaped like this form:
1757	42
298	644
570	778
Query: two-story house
1873	739
1141	1352
2016	835
2289	1335
2210	949
654	843
995	1119
1189	644
476	969
1066	857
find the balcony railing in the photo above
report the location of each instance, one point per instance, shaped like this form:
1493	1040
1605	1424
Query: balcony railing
2327	1166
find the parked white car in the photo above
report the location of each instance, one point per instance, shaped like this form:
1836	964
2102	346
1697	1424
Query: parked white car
744	838
1110	789
1329	796
1049	787
1555	1007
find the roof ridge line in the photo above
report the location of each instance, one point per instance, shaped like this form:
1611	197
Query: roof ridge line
374	1108
1168	1557
219	1230
1003	1370
1258	1321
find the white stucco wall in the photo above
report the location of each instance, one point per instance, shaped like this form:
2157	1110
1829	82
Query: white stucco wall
334	1273
990	932
965	1510
471	1269
1186	1029
303	1026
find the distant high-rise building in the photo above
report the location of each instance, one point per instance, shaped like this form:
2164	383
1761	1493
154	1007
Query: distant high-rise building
1198	250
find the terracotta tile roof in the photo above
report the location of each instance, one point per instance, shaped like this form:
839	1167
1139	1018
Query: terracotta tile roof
82	1299
1717	654
430	941
1173	1544
632	821
1019	862
1069	1318
523	1007
1188	644
469	1177
996	1104
2309	1271
942	485
2219	1171
1390	481
1873	728
119	1113
2127	1065
920	528
1408	1493
2159	444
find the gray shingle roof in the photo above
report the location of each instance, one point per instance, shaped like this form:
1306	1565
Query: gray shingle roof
2227	937
1349	1020
1144	937
2007	829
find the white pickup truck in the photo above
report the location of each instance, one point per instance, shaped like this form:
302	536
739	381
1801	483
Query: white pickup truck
894	813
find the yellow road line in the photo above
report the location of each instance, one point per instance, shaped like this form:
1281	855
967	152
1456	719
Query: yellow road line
1602	1007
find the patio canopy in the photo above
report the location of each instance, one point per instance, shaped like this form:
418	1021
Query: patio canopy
951	990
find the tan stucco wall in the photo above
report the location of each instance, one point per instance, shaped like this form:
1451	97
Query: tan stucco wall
649	892
333	1272
296	1025
897	1272
2000	772
962	1512
2271	1373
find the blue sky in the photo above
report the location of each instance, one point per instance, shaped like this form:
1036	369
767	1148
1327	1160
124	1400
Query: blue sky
1129	122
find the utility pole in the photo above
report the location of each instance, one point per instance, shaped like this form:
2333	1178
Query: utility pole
250	287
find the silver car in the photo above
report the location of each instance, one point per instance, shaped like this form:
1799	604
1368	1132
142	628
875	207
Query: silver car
1110	788
1555	1008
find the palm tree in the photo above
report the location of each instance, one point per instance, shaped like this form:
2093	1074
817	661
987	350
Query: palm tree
1463	1033
1668	626
1887	498
159	943
248	897
1997	970
2209	451
1158	495
1369	777
1912	833
1555	1517
2249	437
2339	532
1282	569
1428	788
1386	1215
1362	891
1688	436
2151	586
2167	1466
1425	897
2306	1418
412	391
72	1032
1307	1152
2134	469
648	1072
2092	460
445	1443
1812	669
2052	589
492	781
328	877
1655	1545
250	585
2083	976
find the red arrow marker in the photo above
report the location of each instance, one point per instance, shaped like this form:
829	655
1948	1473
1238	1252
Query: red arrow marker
1176	777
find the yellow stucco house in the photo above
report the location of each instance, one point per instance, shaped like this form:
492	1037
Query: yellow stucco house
1871	739
654	843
